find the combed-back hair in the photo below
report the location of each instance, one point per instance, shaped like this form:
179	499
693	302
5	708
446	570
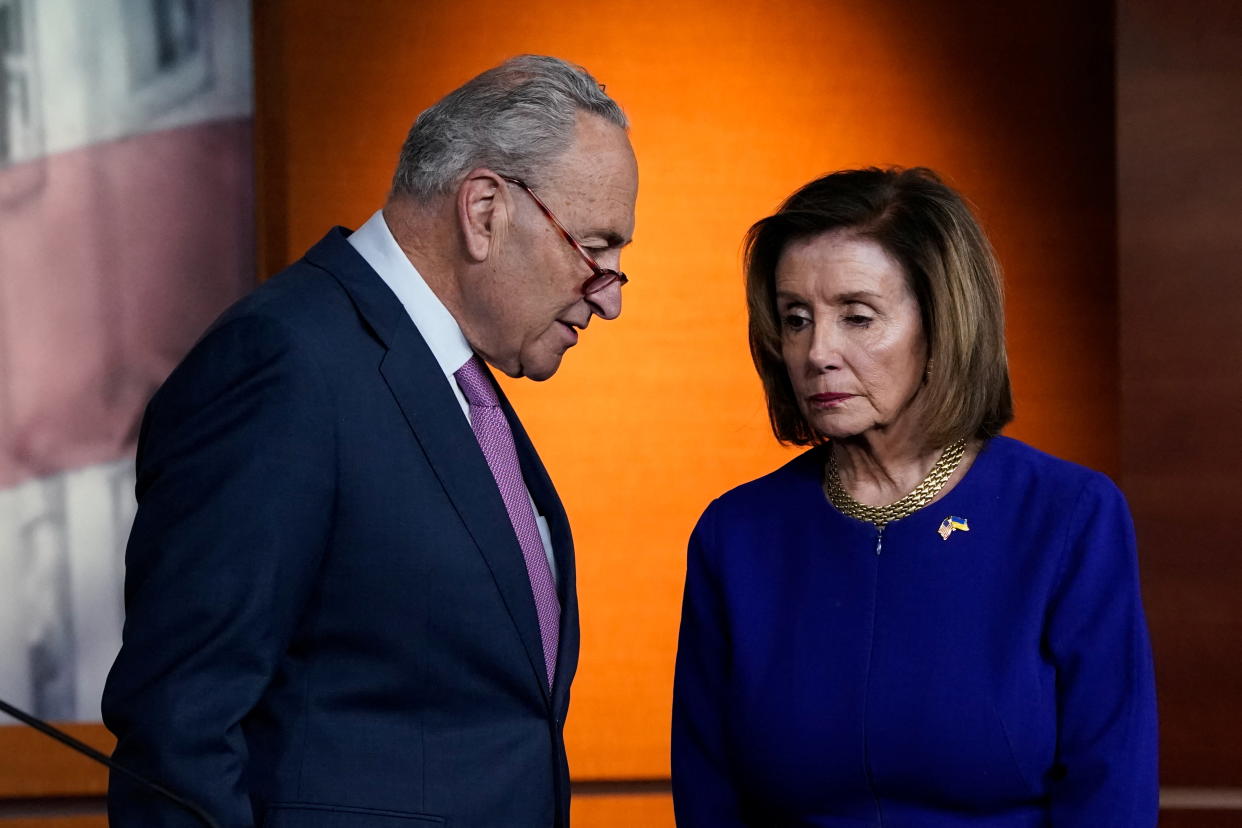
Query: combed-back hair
516	119
929	229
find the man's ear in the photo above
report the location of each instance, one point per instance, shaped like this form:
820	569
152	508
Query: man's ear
481	211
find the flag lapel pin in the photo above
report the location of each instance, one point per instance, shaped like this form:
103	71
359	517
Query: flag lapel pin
949	524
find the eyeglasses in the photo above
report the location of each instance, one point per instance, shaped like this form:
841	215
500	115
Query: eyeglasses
601	277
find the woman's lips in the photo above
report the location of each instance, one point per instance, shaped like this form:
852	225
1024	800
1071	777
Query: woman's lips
828	400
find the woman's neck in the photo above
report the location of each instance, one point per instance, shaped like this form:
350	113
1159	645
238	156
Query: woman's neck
878	467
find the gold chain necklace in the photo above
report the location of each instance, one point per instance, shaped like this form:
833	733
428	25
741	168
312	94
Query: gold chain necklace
921	495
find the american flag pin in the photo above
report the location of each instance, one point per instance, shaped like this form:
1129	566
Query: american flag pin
949	524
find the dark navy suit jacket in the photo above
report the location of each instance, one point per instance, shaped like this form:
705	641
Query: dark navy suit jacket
329	621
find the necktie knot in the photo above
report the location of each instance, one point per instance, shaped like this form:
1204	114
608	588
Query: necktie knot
475	385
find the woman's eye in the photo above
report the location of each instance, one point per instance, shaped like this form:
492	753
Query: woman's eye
858	320
795	322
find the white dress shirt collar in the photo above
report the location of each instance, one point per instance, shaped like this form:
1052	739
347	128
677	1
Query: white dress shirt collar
375	243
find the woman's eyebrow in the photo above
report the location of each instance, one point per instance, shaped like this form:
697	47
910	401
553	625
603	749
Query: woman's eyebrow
855	296
790	298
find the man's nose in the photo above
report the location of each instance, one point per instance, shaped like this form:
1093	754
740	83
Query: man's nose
606	303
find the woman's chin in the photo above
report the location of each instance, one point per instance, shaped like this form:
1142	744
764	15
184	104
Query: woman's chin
835	426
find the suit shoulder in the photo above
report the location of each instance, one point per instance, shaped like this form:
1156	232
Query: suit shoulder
295	319
771	492
1019	464
302	297
303	311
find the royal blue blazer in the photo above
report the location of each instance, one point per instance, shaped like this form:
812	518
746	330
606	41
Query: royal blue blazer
1000	676
329	620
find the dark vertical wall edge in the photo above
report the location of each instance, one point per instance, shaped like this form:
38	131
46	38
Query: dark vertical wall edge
271	173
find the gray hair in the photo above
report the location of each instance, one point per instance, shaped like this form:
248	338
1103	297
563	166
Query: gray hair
515	119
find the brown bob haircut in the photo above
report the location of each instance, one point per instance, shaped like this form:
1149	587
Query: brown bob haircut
928	228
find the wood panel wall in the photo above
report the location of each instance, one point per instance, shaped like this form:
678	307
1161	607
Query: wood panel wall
1179	138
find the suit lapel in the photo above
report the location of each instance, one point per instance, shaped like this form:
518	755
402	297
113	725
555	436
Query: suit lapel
434	416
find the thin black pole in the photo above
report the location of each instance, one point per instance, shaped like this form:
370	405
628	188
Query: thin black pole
83	748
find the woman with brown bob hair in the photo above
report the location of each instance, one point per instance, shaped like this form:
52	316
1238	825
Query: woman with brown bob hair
917	622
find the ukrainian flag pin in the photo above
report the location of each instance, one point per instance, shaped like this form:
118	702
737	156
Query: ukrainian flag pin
949	524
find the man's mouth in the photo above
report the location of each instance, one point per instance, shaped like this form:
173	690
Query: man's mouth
571	330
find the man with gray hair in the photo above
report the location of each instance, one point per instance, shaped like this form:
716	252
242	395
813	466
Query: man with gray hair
350	583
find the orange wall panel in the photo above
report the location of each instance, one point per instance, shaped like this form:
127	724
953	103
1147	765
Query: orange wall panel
733	106
622	811
99	821
34	766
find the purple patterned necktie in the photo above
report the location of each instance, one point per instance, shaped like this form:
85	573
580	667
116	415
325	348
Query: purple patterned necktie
491	429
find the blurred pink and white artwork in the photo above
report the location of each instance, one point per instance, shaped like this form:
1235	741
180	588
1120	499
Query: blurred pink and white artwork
126	226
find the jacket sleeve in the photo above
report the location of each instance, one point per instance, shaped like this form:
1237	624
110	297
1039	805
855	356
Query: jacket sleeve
236	464
1105	771
704	792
